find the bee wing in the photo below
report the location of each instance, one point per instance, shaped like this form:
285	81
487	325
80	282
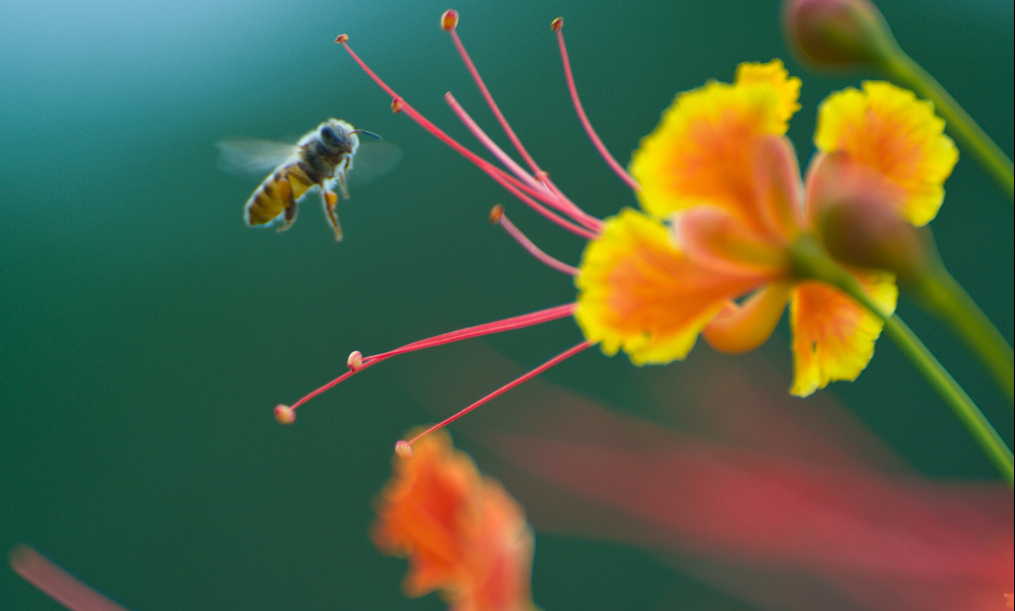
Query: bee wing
373	160
249	156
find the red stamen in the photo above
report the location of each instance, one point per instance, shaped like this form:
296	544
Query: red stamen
498	217
558	26
287	414
500	326
489	102
546	191
503	389
512	184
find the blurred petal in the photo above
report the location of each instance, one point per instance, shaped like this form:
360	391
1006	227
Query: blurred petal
423	511
888	129
502	556
703	149
833	336
463	533
638	292
714	238
743	327
810	534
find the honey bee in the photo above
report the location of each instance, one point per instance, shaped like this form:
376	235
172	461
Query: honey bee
322	158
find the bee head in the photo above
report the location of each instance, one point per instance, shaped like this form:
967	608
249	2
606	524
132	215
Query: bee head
336	134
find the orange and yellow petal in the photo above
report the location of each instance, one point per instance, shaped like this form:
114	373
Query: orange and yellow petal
742	327
702	150
890	130
425	511
637	291
833	336
501	561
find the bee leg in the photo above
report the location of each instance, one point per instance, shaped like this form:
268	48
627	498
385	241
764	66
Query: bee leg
285	194
330	200
340	177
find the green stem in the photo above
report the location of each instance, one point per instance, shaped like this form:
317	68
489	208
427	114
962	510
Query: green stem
811	261
950	302
904	70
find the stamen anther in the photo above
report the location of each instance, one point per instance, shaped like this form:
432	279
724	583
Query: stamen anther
341	39
285	414
557	23
403	449
449	20
495	214
355	360
396	105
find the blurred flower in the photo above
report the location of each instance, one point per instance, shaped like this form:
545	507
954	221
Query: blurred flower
787	505
463	533
724	218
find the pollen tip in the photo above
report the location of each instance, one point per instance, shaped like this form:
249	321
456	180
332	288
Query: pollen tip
403	449
557	23
449	20
496	214
542	176
355	360
285	414
396	105
342	39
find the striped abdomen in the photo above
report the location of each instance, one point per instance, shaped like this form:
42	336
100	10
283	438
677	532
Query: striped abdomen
279	192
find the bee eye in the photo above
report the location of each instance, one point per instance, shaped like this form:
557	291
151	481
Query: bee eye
329	136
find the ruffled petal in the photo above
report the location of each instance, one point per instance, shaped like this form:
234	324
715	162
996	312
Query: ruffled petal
890	130
424	511
833	336
703	150
637	291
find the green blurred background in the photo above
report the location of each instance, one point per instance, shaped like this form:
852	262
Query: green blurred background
146	332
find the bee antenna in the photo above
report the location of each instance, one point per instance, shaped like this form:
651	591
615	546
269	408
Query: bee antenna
363	131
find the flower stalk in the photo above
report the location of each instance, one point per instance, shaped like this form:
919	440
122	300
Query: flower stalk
811	261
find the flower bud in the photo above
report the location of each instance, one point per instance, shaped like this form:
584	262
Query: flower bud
860	215
864	233
838	33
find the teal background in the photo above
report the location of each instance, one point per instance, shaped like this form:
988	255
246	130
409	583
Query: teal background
146	333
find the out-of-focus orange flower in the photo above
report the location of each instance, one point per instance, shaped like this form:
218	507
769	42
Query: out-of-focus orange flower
463	533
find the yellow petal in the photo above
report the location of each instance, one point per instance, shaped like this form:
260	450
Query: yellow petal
703	149
888	129
833	336
638	292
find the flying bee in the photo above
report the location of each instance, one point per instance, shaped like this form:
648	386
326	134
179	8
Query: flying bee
322	158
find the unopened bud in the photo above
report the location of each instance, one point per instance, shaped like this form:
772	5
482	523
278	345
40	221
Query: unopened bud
866	234
838	33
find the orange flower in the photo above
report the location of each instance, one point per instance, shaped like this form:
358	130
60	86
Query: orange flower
714	251
462	532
